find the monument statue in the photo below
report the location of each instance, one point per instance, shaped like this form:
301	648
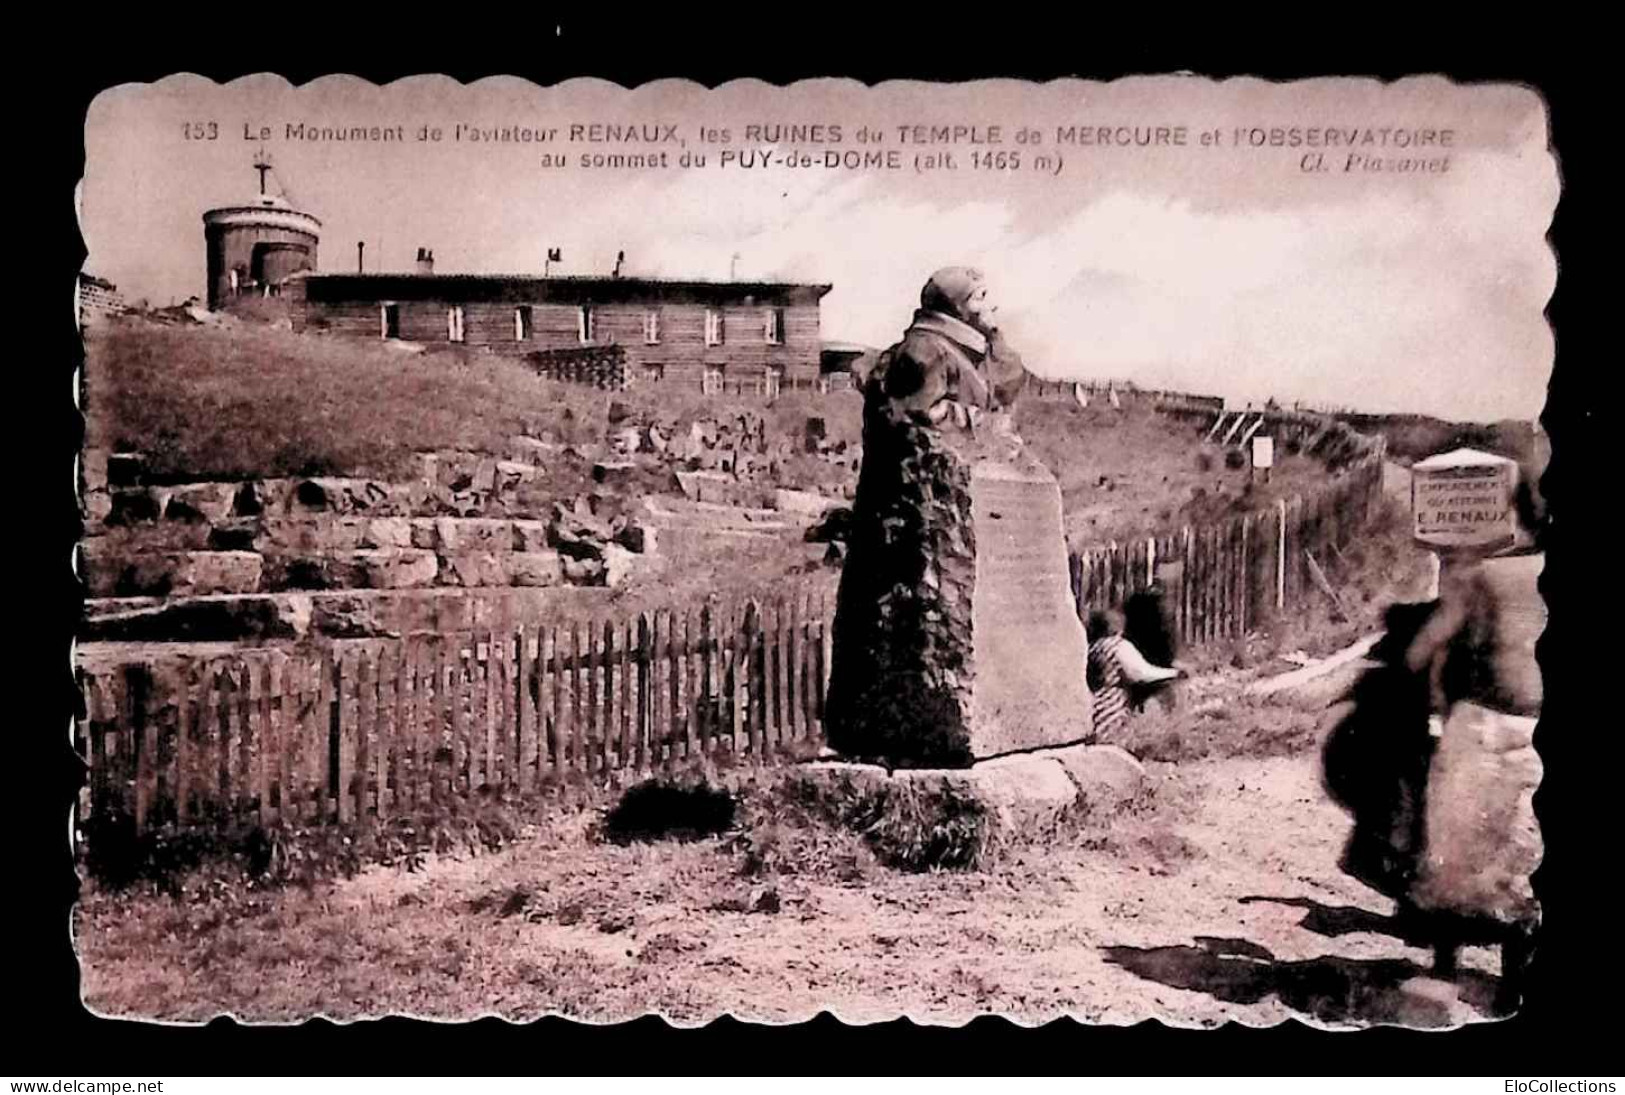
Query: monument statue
956	637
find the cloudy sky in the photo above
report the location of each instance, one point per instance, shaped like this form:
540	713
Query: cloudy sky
1226	269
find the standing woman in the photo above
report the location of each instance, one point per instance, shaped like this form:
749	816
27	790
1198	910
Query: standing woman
1115	666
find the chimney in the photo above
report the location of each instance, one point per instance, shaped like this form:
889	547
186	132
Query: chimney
360	257
425	261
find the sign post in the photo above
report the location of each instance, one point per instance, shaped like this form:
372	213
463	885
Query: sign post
1263	455
1462	505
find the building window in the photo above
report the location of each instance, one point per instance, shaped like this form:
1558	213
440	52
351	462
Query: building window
390	321
711	381
654	372
586	323
714	332
651	328
773	326
771	381
454	323
523	326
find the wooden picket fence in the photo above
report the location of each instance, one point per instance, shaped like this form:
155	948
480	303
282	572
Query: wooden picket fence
366	730
1238	572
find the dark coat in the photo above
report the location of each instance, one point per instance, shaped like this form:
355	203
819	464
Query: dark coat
927	367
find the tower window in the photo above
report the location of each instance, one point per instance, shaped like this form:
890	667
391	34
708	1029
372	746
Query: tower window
454	323
523	325
714	329
711	381
391	321
651	327
773	326
587	323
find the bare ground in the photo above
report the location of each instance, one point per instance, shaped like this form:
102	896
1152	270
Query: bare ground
1218	899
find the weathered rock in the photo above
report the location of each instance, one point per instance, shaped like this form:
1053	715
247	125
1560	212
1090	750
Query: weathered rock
704	486
386	532
956	637
1106	777
636	537
135	505
312	535
530	535
535	568
394	568
251	618
583	572
815	433
340	496
233	534
507	475
207	573
618	412
614	473
93	469
449	535
626	440
97	506
619	565
1029	793
473	568
802	502
209	502
529	450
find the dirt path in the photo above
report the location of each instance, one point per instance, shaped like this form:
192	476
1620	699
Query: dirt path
1224	904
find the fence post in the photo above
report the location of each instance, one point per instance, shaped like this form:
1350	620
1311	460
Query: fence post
1280	557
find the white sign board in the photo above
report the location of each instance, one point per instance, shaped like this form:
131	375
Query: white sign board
1263	452
1464	499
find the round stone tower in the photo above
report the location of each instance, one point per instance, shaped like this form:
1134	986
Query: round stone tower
253	248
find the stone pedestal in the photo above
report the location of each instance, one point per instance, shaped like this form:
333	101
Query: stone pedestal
956	637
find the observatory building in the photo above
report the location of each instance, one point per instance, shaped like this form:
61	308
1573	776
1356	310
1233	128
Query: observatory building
252	249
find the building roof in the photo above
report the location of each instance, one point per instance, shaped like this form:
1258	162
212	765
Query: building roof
568	290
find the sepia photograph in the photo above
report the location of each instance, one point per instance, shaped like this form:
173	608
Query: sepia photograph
926	550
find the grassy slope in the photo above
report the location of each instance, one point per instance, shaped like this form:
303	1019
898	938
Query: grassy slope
250	401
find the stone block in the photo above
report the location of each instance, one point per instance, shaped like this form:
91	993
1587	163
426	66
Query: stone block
97	506
209	502
509	474
312	535
451	535
473	568
1029	793
93	469
1106	777
637	537
395	568
535	568
529	450
135	505
614	473
386	532
251	618
530	535
801	502
339	496
619	566
583	572
208	573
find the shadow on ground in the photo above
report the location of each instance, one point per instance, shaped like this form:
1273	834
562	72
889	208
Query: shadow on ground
1331	989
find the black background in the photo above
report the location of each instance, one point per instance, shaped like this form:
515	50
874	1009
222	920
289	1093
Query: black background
1566	1029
